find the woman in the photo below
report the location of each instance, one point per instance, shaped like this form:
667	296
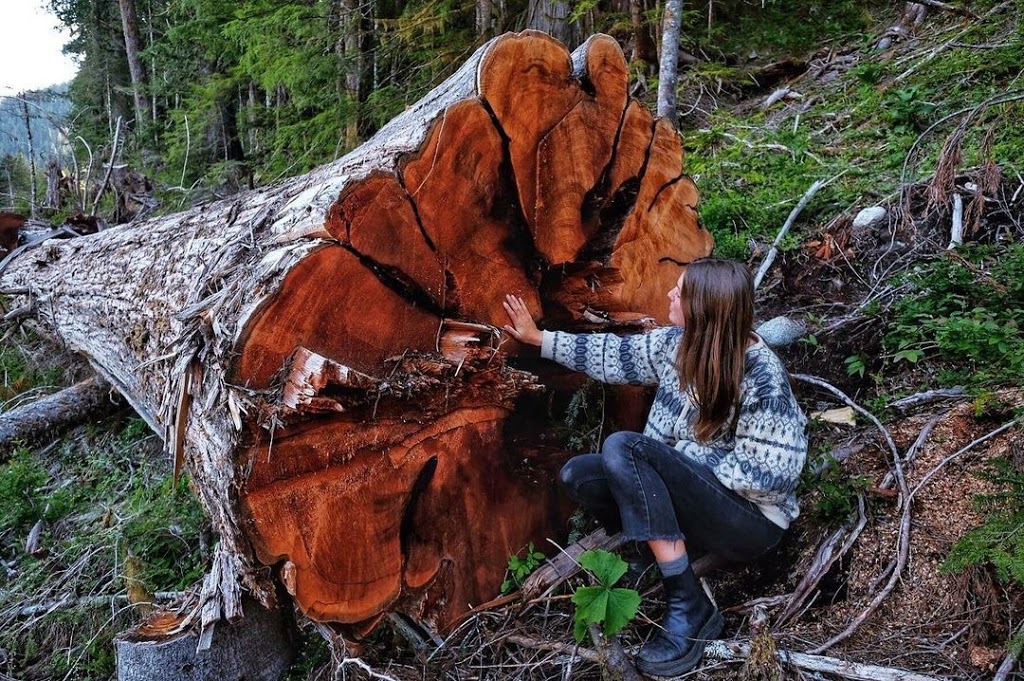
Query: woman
717	465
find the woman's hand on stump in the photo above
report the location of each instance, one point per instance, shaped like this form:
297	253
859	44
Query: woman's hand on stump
523	328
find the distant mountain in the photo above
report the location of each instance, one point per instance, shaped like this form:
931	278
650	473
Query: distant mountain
47	110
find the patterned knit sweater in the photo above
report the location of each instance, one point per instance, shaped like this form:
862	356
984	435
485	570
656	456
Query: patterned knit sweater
761	459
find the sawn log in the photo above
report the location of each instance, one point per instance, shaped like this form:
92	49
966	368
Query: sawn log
323	355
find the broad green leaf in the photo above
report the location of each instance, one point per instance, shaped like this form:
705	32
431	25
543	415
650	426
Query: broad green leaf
591	603
606	566
622	606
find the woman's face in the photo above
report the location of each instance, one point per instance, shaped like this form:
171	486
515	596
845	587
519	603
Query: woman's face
675	305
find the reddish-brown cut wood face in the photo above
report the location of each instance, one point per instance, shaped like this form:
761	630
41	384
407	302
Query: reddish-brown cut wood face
331	305
662	233
548	185
10	225
466	205
578	150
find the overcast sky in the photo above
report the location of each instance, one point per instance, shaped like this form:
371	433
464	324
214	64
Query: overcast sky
30	48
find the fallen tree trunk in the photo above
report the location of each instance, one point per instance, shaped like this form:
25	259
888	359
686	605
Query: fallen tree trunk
53	414
323	354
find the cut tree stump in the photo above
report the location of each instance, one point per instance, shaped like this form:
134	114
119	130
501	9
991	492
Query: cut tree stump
323	355
258	648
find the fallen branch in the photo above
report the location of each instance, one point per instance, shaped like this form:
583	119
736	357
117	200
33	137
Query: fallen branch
54	413
887	483
822	383
931	55
903	540
554	647
962	450
770	258
95	602
566	563
905	404
824	559
736	651
949	8
956	232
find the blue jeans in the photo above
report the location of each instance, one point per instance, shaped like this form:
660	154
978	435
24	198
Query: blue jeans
649	490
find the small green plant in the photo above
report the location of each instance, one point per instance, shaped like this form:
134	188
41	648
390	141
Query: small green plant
603	604
521	568
810	340
967	314
999	541
855	365
909	110
585	418
831	491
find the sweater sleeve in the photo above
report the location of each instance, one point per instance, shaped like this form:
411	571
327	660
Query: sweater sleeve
634	360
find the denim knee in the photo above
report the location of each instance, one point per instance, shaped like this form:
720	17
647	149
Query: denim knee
571	477
617	454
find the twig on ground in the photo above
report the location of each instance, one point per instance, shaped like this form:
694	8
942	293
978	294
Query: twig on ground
905	404
949	8
903	540
740	650
822	383
887	484
972	111
555	647
95	601
824	559
956	232
941	48
924	481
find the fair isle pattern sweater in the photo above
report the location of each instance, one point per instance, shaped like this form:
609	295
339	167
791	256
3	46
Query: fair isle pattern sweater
761	459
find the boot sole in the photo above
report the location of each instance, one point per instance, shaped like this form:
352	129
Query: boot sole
711	629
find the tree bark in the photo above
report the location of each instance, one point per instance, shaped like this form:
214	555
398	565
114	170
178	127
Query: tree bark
323	354
51	415
552	17
33	193
130	26
668	73
484	16
643	44
54	182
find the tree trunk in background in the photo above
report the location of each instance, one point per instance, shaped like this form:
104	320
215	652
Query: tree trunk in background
323	354
668	74
484	16
130	25
352	28
33	191
54	177
643	44
552	17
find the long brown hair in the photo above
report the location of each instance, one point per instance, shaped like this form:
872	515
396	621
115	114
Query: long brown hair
717	299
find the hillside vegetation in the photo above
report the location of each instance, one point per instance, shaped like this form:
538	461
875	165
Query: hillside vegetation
909	553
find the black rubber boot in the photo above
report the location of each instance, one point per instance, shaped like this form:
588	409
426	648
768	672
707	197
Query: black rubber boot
690	621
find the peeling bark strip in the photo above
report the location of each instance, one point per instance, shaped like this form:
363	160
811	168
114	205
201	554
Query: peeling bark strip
323	354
